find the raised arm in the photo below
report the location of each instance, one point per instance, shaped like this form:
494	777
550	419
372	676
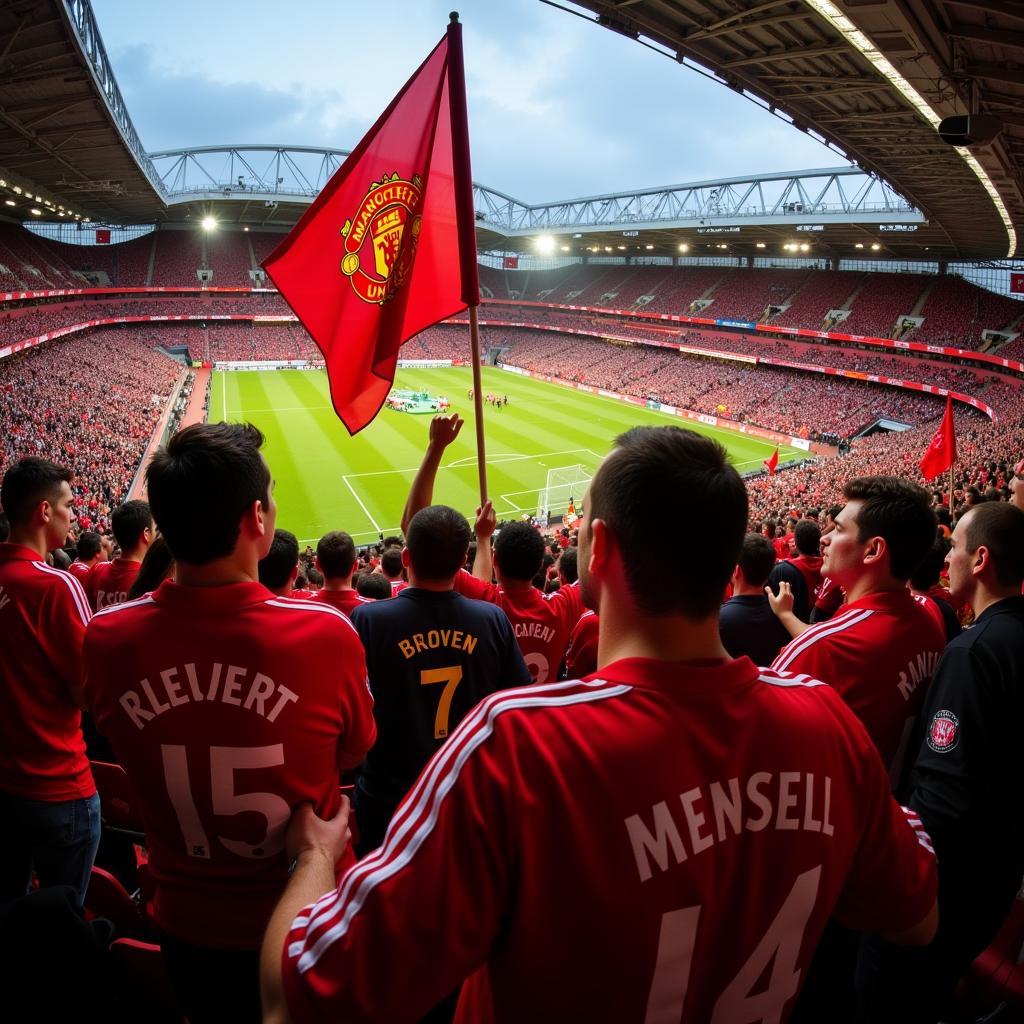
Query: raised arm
483	563
782	606
443	430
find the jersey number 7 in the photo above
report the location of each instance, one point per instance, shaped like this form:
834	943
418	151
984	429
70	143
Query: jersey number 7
451	676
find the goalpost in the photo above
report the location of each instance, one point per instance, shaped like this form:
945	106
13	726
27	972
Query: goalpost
562	484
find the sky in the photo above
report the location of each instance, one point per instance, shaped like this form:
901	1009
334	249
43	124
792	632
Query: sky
558	107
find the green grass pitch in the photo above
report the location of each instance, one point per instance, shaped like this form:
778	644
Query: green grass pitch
326	480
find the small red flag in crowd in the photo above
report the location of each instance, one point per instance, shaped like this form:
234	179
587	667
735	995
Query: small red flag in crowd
389	246
941	453
772	463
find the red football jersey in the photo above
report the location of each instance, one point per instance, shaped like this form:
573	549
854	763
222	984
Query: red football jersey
397	586
343	600
542	622
43	615
303	595
109	582
80	571
228	707
581	654
879	653
683	830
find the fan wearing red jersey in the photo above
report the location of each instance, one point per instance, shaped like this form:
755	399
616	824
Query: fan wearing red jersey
663	841
542	622
880	650
392	568
336	559
279	567
48	802
228	707
89	553
109	582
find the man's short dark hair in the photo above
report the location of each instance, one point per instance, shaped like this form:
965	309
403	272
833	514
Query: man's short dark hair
900	512
201	484
336	553
392	542
27	483
391	563
314	577
129	520
373	584
927	572
757	559
808	537
1000	528
277	567
654	468
89	544
519	551
568	564
437	539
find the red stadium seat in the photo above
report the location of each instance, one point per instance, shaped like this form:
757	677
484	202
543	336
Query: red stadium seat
141	984
108	898
118	803
996	978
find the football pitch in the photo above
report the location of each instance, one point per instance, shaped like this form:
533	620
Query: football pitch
326	480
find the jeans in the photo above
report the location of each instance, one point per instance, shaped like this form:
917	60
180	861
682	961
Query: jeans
57	841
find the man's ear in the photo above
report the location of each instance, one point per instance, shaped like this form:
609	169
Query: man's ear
406	561
875	551
601	547
981	559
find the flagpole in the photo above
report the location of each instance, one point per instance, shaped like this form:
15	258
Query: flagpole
466	217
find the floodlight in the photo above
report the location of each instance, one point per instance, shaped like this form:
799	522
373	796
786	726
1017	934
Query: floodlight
875	247
684	247
760	245
859	245
545	245
804	247
10	202
36	211
565	248
209	223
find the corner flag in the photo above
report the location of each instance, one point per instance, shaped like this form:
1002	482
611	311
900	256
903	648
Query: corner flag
389	246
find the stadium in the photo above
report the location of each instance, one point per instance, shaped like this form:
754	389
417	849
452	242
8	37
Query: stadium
821	326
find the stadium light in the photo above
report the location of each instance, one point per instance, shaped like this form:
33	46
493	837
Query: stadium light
760	245
804	247
209	223
545	245
859	245
684	247
875	247
565	248
246	228
649	247
36	211
10	202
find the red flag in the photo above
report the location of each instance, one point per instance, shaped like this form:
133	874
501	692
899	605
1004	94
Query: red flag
771	463
941	453
389	246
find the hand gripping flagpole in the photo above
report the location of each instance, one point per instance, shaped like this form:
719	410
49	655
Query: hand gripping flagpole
466	226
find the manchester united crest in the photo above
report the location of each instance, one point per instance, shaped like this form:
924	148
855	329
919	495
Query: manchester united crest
943	732
380	240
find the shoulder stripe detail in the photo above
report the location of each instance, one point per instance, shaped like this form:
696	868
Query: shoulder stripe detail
77	593
136	602
293	603
426	801
788	679
811	636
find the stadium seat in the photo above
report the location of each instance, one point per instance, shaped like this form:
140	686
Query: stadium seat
118	802
107	898
996	978
141	984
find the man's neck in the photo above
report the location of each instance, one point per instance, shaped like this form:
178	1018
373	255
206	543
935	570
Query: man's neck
34	539
337	583
512	586
221	573
133	555
664	638
437	586
868	585
741	588
983	598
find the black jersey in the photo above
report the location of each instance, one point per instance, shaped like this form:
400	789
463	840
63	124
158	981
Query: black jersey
431	657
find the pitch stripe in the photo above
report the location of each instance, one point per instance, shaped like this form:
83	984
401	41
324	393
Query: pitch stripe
391	867
807	640
81	601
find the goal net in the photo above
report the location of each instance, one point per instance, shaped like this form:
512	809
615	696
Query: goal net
563	485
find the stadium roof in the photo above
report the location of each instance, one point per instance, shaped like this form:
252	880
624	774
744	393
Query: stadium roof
68	139
873	77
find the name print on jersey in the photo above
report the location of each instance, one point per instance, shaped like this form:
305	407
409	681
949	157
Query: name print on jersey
783	801
921	668
435	639
226	684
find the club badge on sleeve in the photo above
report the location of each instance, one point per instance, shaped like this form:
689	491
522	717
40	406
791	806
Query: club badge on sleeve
943	732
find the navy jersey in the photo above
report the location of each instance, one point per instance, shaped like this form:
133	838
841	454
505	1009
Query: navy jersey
431	657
